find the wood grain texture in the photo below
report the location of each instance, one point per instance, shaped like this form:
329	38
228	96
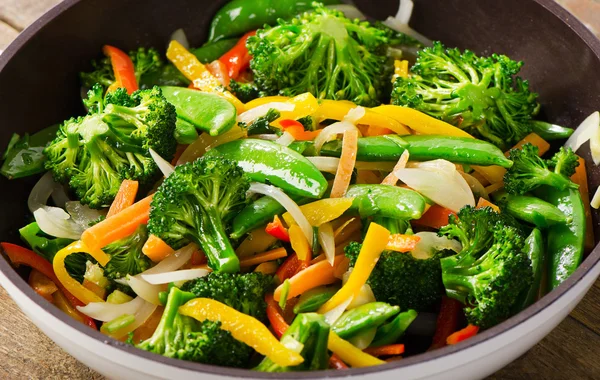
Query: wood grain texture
570	351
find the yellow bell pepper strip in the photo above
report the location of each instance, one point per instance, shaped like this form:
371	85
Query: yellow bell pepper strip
336	110
349	353
321	211
375	242
244	328
305	104
419	121
257	241
196	72
493	174
267	99
299	243
494	187
62	303
73	286
268	268
400	69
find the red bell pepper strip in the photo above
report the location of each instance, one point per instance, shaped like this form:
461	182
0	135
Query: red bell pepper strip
296	129
122	67
447	322
436	217
289	268
389	350
220	71
336	363
464	334
277	230
238	58
22	256
275	317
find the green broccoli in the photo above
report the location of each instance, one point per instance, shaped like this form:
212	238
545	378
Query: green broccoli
196	204
311	330
324	53
243	292
476	94
182	337
262	125
529	170
244	91
492	268
94	153
126	257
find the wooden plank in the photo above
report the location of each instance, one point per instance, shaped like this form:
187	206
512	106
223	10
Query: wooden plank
7	34
588	310
20	13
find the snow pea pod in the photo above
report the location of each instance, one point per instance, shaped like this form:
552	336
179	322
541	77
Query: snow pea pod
313	299
394	330
565	240
385	201
24	155
208	112
269	162
185	132
549	131
259	213
364	317
531	209
534	246
460	150
240	16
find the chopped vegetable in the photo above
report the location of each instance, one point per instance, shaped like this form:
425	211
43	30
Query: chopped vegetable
124	198
464	334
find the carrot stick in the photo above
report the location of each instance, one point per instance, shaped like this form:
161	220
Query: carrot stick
580	178
464	334
391	178
389	350
273	254
346	165
321	273
485	203
402	243
125	197
534	139
336	363
118	226
156	249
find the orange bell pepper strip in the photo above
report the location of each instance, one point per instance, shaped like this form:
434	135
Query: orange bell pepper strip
464	334
117	226
300	243
122	67
22	256
436	217
321	273
389	350
238	58
485	203
125	197
244	328
275	316
296	129
156	249
402	243
277	230
447	322
42	284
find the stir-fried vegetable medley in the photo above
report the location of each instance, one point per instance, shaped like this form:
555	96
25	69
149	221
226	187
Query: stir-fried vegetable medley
304	191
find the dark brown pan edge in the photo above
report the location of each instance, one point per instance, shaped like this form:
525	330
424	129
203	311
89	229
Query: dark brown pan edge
546	301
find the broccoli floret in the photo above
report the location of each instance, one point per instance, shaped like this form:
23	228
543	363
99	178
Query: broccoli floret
94	153
529	170
477	94
182	337
262	125
492	268
145	61
324	53
126	256
312	332
196	203
404	280
244	91
243	292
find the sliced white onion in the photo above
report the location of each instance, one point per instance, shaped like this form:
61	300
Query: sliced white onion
365	295
354	115
331	131
476	187
179	36
256	112
105	311
141	317
145	290
327	241
584	131
41	192
400	22
350	11
59	196
174	276
174	261
430	243
595	203
82	214
445	187
292	344
266	136
285	139
288	204
595	145
56	222
364	339
165	167
334	314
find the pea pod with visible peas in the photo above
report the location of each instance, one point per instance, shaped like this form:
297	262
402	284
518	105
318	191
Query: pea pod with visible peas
269	162
459	150
240	16
313	299
362	318
394	330
385	201
530	209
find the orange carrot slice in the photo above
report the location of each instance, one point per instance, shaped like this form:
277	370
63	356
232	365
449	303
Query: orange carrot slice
125	197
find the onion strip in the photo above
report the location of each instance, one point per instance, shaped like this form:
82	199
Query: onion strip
327	241
106	312
584	131
175	276
256	112
165	167
141	317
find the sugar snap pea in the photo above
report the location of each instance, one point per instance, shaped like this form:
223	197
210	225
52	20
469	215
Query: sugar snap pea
530	209
534	246
394	330
549	131
314	298
364	317
385	201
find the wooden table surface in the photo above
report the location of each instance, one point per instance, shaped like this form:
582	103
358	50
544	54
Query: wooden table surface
570	351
